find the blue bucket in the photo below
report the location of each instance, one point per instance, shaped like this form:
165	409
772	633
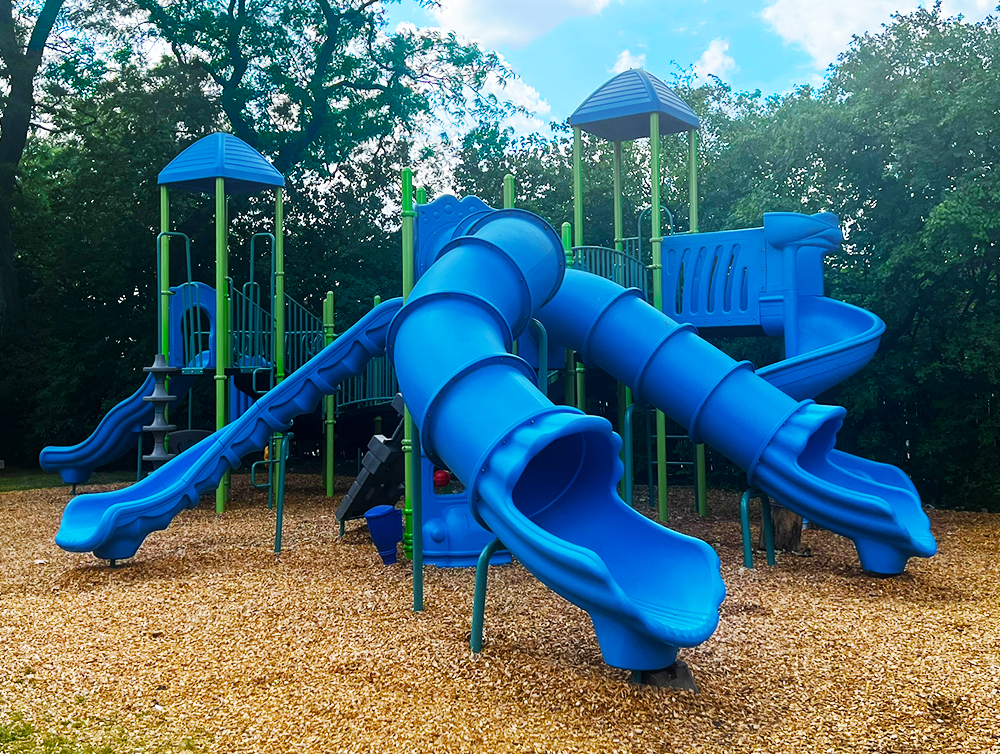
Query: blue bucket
385	524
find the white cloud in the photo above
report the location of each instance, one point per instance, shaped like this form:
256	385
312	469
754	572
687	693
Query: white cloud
522	95
715	61
514	90
627	60
824	30
511	22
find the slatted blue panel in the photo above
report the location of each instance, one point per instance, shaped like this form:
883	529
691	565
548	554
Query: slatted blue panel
714	279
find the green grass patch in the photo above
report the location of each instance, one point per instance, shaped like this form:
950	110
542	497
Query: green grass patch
19	736
12	480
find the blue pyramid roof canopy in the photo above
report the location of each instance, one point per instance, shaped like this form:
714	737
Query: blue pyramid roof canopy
221	155
619	109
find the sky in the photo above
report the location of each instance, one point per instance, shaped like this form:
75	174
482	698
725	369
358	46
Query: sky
562	50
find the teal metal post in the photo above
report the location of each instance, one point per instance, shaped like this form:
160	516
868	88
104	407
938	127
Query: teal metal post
765	521
411	447
221	327
329	403
281	453
701	477
656	243
543	355
479	598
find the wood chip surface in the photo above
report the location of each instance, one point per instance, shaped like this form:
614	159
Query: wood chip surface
208	642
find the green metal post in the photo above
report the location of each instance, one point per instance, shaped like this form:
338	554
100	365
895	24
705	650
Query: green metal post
701	477
411	500
329	403
164	271
624	392
581	386
577	186
508	191
479	597
619	222
221	341
569	381
693	179
627	448
278	307
656	243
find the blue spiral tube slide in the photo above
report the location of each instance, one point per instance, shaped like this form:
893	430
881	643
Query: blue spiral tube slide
541	477
786	446
114	524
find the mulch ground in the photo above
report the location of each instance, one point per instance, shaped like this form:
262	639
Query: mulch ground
207	641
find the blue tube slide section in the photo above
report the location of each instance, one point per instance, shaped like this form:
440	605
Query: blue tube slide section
118	431
114	524
541	477
786	446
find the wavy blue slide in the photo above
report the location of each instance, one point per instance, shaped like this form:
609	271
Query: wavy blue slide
118	431
114	524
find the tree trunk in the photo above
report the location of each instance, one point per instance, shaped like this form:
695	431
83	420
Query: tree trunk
21	65
787	530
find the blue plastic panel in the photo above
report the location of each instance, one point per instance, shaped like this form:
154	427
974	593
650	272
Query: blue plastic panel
714	280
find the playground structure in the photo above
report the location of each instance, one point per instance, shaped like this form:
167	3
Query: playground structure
541	478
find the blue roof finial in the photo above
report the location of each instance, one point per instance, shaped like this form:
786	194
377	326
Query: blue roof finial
221	155
619	109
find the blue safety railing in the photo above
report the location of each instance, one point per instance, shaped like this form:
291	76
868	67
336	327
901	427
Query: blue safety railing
622	267
375	386
303	335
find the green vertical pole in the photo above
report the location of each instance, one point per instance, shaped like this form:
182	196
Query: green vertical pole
329	402
624	392
508	191
693	179
411	499
577	186
569	381
619	222
278	306
701	477
656	242
164	271
221	328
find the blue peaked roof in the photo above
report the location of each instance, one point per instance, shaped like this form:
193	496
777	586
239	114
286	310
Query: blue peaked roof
221	155
619	109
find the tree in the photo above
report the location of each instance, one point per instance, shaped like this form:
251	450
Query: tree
22	46
306	83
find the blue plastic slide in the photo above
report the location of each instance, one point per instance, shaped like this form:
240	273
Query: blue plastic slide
118	431
541	477
114	524
786	446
